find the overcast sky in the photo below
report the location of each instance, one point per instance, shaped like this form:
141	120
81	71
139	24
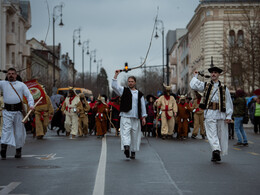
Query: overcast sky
120	30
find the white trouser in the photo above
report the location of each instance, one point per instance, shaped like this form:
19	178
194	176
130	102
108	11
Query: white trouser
72	123
217	134
130	130
13	132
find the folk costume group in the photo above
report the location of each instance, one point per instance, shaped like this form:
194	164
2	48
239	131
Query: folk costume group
213	105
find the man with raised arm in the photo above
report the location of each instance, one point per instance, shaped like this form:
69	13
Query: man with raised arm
218	108
132	110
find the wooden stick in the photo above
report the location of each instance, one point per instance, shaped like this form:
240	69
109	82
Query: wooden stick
27	115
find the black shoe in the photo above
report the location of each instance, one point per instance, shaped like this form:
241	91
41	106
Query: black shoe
193	136
127	151
163	137
3	151
215	156
132	155
18	153
203	136
238	144
245	144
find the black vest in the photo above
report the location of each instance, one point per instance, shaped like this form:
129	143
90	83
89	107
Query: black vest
126	101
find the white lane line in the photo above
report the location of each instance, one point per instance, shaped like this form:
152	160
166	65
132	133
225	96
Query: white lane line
179	191
99	188
10	187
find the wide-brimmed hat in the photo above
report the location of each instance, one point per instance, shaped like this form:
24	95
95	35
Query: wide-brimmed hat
167	88
72	89
216	69
101	99
182	97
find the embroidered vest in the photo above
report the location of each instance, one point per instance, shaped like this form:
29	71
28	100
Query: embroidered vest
126	101
208	95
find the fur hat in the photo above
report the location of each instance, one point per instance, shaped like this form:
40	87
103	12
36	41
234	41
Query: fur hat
101	99
167	88
182	97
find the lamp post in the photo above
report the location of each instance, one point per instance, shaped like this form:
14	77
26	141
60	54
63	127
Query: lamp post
91	55
83	50
99	62
157	36
54	18
76	35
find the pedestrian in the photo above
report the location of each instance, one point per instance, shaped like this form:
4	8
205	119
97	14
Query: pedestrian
43	114
168	110
71	108
115	113
13	132
218	109
198	117
133	110
91	115
255	107
240	110
58	118
184	111
101	109
151	113
83	116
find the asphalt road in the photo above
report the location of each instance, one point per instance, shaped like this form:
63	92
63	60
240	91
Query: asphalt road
57	165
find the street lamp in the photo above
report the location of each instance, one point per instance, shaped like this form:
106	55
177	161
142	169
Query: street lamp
99	62
83	50
54	18
157	36
76	35
91	55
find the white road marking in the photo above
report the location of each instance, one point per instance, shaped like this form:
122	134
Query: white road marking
99	188
51	156
9	188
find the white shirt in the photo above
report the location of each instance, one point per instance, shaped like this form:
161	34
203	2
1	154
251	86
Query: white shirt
10	97
133	113
198	85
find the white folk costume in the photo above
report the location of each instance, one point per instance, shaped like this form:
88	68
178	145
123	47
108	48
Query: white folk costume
132	109
13	132
71	107
218	107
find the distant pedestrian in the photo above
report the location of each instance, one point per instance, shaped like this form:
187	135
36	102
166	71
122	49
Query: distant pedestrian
115	113
83	116
240	110
218	111
256	109
13	132
133	110
91	115
150	115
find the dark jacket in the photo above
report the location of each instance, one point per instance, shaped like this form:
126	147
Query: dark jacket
239	107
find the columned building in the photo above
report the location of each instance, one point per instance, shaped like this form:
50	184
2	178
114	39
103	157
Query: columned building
218	29
15	21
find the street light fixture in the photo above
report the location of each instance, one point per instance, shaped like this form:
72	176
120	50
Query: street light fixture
54	18
76	35
85	43
160	22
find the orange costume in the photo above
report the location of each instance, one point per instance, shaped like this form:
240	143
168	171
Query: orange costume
182	119
101	110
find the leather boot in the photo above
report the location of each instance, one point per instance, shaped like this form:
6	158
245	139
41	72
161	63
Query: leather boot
3	151
127	151
132	155
18	153
215	156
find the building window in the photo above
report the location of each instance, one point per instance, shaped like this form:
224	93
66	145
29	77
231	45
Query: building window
209	13
240	38
231	38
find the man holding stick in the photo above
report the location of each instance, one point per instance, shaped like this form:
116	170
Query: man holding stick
13	132
132	110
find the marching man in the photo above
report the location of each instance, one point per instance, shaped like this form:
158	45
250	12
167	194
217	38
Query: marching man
218	108
13	132
133	110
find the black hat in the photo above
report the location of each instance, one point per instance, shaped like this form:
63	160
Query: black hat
216	69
